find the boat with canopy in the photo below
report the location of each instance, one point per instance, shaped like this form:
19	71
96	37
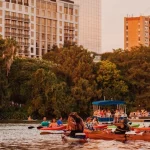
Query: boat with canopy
98	105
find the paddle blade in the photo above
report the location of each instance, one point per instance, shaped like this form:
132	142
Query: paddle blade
31	127
39	127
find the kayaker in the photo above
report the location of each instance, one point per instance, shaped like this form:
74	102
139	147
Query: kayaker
89	123
122	127
75	124
53	124
45	122
59	121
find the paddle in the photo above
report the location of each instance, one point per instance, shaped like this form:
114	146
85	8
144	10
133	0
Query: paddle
31	127
55	132
43	133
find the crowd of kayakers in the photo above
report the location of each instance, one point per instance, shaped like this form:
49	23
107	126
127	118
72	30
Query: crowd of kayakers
75	124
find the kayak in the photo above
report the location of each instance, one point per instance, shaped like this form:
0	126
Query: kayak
70	139
54	128
119	137
141	128
100	126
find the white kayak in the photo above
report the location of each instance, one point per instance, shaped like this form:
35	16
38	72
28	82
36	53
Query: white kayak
70	139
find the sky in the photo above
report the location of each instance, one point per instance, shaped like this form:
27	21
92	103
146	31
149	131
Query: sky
113	13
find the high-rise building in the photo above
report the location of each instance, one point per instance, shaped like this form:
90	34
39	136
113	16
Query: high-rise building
136	31
37	25
90	24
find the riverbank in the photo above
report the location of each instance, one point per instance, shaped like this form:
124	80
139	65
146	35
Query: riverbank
21	121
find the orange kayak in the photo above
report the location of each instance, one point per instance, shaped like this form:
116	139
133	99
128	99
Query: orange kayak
119	137
141	129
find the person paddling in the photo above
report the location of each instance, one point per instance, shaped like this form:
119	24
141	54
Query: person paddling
53	124
122	127
45	122
59	121
75	124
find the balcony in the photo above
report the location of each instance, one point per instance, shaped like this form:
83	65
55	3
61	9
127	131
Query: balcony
14	17
20	26
20	34
66	27
66	34
7	33
26	35
7	24
7	17
26	28
20	19
26	44
13	25
13	34
71	28
26	20
71	35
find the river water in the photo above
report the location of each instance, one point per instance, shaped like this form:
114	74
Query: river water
19	137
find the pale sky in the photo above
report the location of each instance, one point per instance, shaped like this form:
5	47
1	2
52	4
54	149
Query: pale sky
113	13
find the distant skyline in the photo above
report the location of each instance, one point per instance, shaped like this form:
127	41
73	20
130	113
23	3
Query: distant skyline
113	13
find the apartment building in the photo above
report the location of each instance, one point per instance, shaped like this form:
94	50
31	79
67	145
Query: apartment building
136	31
37	25
90	24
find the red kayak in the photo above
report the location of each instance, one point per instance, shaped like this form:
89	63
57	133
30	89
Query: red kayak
101	126
54	128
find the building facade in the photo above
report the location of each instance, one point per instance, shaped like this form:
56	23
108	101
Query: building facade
90	24
37	25
136	31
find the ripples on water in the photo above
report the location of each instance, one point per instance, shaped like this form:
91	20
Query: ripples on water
19	137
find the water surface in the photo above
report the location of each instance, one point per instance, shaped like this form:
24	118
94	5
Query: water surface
19	137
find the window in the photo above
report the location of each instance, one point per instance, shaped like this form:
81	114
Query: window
43	12
32	18
76	11
20	2
32	10
1	4
60	31
13	6
76	19
32	50
0	12
32	42
20	8
26	9
0	20
7	5
32	34
43	36
37	11
60	8
60	38
60	23
32	2
32	26
60	15
0	29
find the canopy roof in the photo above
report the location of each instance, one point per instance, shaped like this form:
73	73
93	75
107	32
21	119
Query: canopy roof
108	102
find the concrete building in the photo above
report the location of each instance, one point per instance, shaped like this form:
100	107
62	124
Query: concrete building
136	31
90	24
37	25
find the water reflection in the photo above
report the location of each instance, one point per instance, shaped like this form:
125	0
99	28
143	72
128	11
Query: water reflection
19	137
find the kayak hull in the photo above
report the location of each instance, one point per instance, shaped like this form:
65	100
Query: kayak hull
119	137
70	139
54	128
